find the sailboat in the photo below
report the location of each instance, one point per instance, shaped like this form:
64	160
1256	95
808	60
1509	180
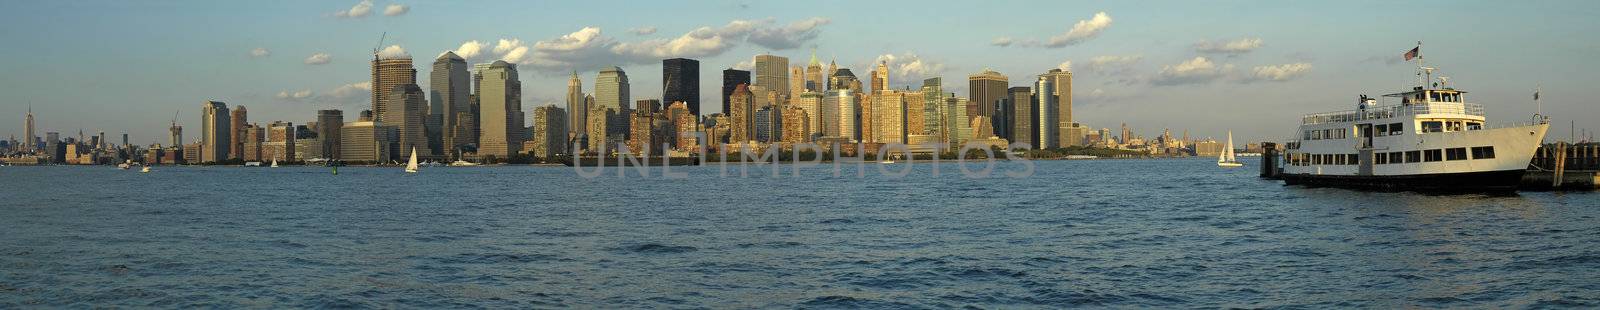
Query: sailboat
274	162
1226	159
411	166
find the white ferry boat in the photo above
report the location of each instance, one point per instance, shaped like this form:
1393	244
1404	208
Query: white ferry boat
1426	139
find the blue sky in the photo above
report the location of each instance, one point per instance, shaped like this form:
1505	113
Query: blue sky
126	66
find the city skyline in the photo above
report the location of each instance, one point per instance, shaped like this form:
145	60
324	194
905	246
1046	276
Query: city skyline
1131	66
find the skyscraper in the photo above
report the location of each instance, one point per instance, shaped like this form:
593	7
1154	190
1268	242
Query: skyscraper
501	99
815	81
177	133
31	142
407	112
1049	122
731	78
880	77
549	131
771	73
214	138
985	90
680	81
840	108
611	89
933	106
889	113
280	142
236	122
577	111
330	124
741	115
1021	116
388	72
1061	80
448	88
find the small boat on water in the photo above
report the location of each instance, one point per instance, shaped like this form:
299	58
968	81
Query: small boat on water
411	166
1226	159
274	163
125	165
146	169
462	163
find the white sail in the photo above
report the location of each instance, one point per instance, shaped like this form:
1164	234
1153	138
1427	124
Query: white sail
1228	152
411	166
274	162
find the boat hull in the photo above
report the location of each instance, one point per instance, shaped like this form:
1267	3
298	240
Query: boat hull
1483	181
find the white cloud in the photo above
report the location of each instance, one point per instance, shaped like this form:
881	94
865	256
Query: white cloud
470	49
1240	46
1111	64
1279	73
909	67
358	89
396	9
393	52
790	36
319	59
1193	71
300	94
260	52
1082	31
643	30
698	43
361	9
512	50
745	64
1065	66
1001	41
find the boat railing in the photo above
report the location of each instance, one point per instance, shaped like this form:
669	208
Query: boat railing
1388	111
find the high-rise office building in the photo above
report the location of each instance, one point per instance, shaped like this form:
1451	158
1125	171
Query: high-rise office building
811	102
280	142
933	106
680	81
177	134
731	78
796	125
549	131
500	99
253	138
236	121
889	116
388	72
449	102
840	108
366	140
408	111
214	138
843	79
611	89
1061	81
330	124
31	137
763	124
985	89
772	73
741	115
880	77
1049	122
797	84
647	105
815	80
577	111
1021	116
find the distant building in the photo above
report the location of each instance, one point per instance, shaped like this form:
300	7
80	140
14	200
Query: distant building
1022	116
215	139
648	105
549	131
889	116
731	79
763	124
611	89
741	115
680	81
388	72
880	77
449	100
239	117
500	101
1049	129
408	110
280	145
366	140
771	73
1061	104
255	138
684	124
985	90
796	125
329	126
577	112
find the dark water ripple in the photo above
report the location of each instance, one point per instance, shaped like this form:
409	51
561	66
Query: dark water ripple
1126	234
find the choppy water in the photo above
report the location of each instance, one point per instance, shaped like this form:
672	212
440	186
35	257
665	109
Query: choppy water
1122	233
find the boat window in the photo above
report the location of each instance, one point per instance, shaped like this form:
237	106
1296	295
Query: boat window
1316	135
1353	159
1454	126
1380	159
1395	129
1474	126
1432	155
1308	136
1342	132
1380	130
1394	157
1483	152
1316	159
1338	159
1432	126
1413	156
1459	153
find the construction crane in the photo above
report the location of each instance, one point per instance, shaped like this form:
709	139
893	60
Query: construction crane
385	35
